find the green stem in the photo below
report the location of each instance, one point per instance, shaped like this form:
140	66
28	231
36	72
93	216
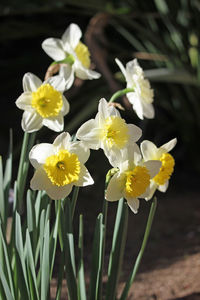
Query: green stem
140	255
120	93
68	60
20	170
74	200
27	144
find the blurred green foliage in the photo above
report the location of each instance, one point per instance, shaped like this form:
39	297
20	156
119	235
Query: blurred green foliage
162	35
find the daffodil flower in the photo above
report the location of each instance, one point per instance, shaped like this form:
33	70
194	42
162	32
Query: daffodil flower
132	180
43	103
59	166
108	131
150	151
142	96
72	54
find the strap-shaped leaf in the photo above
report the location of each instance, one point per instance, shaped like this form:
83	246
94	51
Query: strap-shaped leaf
31	269
45	269
81	278
117	251
20	259
2	202
68	239
5	285
8	173
95	278
9	274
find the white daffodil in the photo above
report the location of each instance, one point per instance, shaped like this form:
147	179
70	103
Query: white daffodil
108	131
133	178
59	166
72	54
43	103
142	97
150	151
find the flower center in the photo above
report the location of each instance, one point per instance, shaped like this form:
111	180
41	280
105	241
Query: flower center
166	169
62	168
137	181
115	132
83	54
47	101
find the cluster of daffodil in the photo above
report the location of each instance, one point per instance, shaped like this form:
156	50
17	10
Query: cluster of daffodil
137	171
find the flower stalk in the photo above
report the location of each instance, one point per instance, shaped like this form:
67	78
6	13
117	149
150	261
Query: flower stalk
120	93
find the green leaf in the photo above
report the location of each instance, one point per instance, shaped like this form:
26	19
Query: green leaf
31	268
20	259
8	173
68	239
45	270
74	199
37	208
175	76
117	251
7	262
2	202
5	285
81	279
95	277
53	238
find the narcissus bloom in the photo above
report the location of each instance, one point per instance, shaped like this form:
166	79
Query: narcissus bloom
108	131
59	166
72	54
150	151
142	97
43	103
132	179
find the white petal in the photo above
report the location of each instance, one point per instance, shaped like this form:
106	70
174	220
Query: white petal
113	154
80	150
163	188
58	82
54	48
72	35
63	141
31	82
148	110
152	188
39	153
149	150
114	191
40	181
59	192
153	166
133	203
137	105
24	101
103	111
31	121
85	177
170	145
68	73
131	153
89	133
66	106
135	132
120	65
54	123
84	73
